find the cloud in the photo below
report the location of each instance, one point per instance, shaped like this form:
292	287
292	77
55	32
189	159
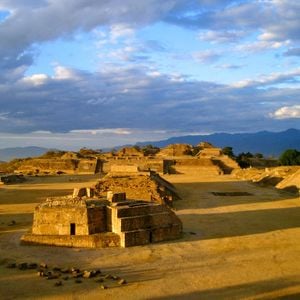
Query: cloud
36	79
117	100
228	36
292	52
262	45
272	79
116	131
228	66
207	56
131	88
287	112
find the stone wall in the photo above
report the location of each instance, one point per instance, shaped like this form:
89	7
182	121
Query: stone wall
88	166
40	165
143	223
143	163
194	166
58	220
100	240
124	169
68	166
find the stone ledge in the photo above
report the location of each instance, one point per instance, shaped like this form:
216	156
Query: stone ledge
99	240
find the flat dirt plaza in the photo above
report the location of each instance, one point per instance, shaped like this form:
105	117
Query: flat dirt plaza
241	245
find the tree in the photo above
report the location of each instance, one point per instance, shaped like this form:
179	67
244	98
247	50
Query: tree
243	159
150	150
228	151
258	155
290	157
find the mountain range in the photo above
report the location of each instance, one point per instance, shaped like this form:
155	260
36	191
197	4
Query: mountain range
8	154
265	142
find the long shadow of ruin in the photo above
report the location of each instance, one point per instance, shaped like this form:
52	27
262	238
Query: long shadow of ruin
15	196
259	290
220	225
245	193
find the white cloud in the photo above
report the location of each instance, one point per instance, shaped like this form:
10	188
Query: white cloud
118	31
116	131
62	73
267	80
287	112
262	45
36	79
228	66
206	56
4	116
228	36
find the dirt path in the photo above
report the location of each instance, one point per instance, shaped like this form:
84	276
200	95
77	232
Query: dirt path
234	247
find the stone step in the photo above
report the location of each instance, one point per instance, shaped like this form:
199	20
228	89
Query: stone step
146	236
139	210
145	221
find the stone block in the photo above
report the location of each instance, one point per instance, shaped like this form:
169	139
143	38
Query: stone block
135	238
90	192
144	221
79	192
116	197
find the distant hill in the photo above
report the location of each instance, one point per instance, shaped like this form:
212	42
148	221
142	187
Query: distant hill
8	154
265	142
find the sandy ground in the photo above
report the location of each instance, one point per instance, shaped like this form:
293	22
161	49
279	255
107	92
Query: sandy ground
233	247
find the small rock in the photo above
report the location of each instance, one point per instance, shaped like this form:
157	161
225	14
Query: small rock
73	269
65	270
56	269
77	275
65	278
32	266
58	283
52	276
122	281
115	277
22	266
87	274
11	265
43	265
40	273
97	272
107	276
103	287
12	223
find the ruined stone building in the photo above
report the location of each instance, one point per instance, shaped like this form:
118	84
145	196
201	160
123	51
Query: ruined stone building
150	187
12	179
78	222
67	164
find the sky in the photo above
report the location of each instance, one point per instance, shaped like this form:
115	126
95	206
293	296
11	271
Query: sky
99	73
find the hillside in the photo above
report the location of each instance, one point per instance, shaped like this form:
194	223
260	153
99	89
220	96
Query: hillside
265	142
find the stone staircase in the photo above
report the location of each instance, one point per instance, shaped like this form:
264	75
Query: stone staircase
144	223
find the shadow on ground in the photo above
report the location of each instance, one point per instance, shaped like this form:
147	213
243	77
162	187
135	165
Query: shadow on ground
204	194
220	225
15	196
259	290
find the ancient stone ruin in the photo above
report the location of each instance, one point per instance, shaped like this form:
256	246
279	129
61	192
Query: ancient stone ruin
150	187
69	163
12	179
173	159
79	221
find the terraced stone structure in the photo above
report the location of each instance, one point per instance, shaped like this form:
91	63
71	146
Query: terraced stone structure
92	223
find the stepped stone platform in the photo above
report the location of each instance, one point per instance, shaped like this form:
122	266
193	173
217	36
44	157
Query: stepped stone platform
73	221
